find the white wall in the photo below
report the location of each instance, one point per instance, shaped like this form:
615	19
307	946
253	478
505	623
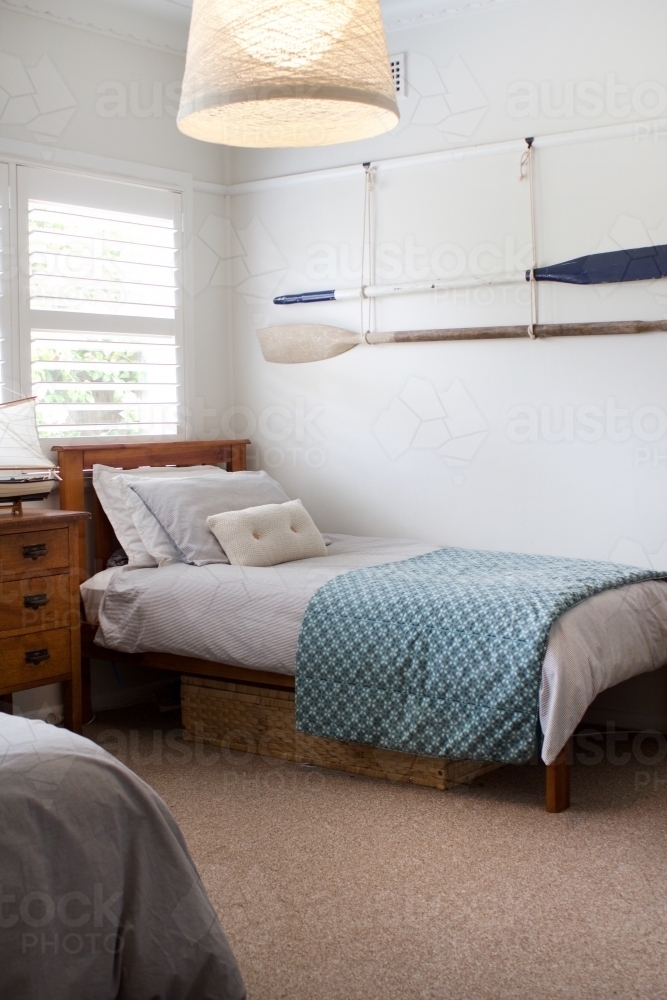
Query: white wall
344	435
123	96
114	101
341	434
73	97
603	51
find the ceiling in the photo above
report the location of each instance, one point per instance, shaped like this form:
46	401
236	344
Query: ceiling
163	24
393	10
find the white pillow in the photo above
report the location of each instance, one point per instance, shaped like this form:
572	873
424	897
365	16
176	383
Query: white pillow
108	483
154	538
267	535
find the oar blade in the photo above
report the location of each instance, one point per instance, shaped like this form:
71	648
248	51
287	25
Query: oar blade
303	342
610	266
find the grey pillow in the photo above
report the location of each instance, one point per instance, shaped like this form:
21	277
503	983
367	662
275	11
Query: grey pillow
182	506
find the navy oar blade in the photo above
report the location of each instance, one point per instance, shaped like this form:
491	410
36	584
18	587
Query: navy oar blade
288	300
641	264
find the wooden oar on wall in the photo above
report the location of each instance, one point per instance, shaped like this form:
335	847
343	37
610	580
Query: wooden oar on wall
294	344
304	342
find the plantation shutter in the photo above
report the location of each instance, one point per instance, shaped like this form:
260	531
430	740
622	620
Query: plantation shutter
104	304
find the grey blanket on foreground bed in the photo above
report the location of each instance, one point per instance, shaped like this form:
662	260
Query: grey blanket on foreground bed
441	654
100	898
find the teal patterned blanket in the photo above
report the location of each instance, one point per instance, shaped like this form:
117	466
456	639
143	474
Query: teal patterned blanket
440	654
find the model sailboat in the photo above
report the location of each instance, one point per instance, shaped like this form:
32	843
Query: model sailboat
25	473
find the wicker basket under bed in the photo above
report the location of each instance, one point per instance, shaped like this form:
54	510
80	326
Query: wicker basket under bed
258	719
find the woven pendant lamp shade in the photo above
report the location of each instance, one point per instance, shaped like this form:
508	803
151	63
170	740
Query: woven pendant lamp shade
286	73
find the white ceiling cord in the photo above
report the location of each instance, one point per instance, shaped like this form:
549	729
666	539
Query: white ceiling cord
526	168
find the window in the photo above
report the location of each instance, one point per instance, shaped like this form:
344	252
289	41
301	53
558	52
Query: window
102	305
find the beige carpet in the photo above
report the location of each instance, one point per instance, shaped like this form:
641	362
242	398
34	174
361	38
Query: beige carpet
334	887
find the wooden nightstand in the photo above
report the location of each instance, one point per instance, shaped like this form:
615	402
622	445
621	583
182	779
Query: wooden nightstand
39	605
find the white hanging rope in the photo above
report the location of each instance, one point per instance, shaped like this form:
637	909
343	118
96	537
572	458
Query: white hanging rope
366	251
371	246
527	162
367	256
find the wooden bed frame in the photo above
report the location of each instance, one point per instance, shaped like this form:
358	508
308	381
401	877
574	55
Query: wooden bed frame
75	466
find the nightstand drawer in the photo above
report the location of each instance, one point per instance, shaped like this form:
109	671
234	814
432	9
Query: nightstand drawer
30	552
25	659
35	602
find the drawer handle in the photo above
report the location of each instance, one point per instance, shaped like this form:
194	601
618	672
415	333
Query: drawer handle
37	656
34	551
35	601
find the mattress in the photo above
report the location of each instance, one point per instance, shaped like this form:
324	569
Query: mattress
251	617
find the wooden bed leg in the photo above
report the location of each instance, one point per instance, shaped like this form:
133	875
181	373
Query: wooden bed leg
558	781
86	700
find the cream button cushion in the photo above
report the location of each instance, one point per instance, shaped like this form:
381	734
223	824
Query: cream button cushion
267	535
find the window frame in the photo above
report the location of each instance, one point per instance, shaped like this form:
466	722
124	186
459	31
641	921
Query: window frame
17	347
10	382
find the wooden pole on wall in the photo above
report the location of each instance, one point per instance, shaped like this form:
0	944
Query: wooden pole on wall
542	330
303	342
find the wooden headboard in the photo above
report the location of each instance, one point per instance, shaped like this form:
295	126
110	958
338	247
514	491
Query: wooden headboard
76	460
